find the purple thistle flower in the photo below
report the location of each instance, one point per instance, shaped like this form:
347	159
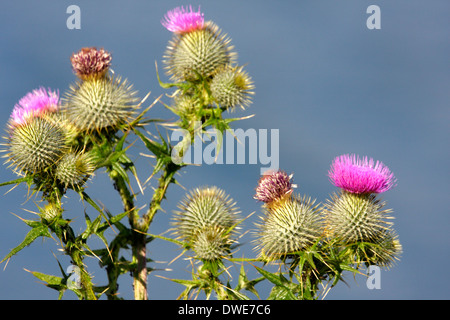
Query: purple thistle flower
356	175
33	104
91	62
180	20
274	186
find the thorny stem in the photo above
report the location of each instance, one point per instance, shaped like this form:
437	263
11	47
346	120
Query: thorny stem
138	240
140	225
71	247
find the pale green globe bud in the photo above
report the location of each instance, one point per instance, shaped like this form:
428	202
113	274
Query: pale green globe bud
232	87
199	53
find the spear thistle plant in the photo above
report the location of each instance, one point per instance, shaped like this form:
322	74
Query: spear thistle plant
56	147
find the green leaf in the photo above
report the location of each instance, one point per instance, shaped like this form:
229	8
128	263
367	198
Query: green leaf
113	220
54	282
275	279
282	289
33	234
249	285
17	181
91	226
159	150
281	293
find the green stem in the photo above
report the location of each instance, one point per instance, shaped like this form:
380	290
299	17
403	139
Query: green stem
71	245
163	183
138	239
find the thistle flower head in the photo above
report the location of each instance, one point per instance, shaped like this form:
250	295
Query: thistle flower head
90	63
360	175
204	208
352	217
289	227
273	186
98	104
181	20
33	104
231	87
199	53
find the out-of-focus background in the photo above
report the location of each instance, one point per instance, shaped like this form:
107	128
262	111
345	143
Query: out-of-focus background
327	82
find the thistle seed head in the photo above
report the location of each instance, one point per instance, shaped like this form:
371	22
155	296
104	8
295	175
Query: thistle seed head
98	104
289	227
232	87
199	53
352	217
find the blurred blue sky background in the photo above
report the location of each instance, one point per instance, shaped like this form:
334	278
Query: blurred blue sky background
327	82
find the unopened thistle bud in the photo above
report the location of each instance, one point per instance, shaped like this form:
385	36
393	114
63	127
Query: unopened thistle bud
356	175
74	168
197	49
289	227
231	87
212	243
352	217
203	209
385	251
35	141
274	186
91	63
185	106
103	103
50	212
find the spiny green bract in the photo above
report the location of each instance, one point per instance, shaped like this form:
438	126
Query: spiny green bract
356	217
198	53
97	104
288	227
35	145
204	208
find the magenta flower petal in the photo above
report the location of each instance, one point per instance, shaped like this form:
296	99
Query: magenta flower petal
274	186
180	20
356	175
33	104
91	62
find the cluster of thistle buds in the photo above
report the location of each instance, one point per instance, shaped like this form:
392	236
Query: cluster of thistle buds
202	63
206	221
352	216
47	138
